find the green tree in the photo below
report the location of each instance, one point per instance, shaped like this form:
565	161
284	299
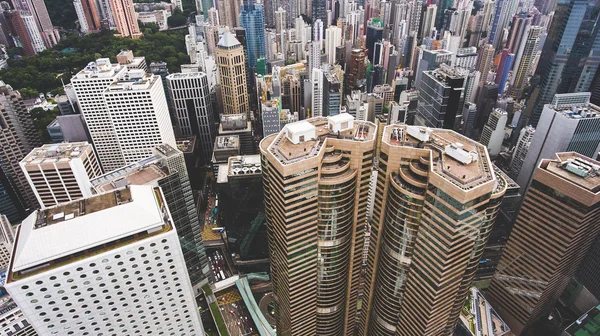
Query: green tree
41	119
177	19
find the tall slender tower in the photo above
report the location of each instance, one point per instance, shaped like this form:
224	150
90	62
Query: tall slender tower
125	19
88	12
17	138
38	11
231	62
316	180
435	202
556	226
525	60
252	18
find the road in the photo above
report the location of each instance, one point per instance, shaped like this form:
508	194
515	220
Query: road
236	316
219	263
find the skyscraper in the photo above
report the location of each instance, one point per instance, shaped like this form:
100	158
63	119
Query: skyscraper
560	40
441	98
374	34
253	20
492	135
18	31
18	137
166	169
555	227
430	223
525	60
140	116
505	66
125	18
116	254
37	10
520	150
192	105
88	16
315	175
61	173
570	123
333	39
89	85
231	62
356	73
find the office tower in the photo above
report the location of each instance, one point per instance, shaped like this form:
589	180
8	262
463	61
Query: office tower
166	169
485	61
252	19
193	109
518	31
441	98
7	238
19	33
492	135
229	10
505	66
36	9
128	60
505	219
139	99
531	276
505	9
311	227
429	228
34	34
565	125
374	34
386	92
238	124
431	60
87	12
466	58
332	93
226	146
18	137
333	39
125	19
61	173
280	20
11	204
319	10
525	62
270	117
314	58
560	41
356	74
231	62
429	20
316	108
520	151
128	235
241	201
291	93
486	101
89	85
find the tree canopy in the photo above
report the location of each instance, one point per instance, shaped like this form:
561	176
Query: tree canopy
44	71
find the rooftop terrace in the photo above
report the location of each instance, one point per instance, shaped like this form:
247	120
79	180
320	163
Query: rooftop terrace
578	169
139	173
458	159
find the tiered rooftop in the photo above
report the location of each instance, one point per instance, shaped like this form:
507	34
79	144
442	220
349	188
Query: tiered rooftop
101	68
63	152
135	79
458	159
305	139
140	173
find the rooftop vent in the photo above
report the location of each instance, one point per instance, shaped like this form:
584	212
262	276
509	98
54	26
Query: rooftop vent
457	152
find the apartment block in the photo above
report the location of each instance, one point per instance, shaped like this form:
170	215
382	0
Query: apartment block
61	173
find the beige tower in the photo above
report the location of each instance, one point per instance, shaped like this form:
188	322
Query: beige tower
125	18
231	62
316	182
435	201
559	220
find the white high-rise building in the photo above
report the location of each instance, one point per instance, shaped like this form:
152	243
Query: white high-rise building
280	20
520	150
140	116
34	33
190	98
317	93
333	39
60	173
83	26
493	131
109	264
89	85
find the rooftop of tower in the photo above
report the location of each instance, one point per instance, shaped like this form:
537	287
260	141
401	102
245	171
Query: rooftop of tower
305	139
140	173
101	68
577	169
458	159
63	152
134	79
68	232
228	41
